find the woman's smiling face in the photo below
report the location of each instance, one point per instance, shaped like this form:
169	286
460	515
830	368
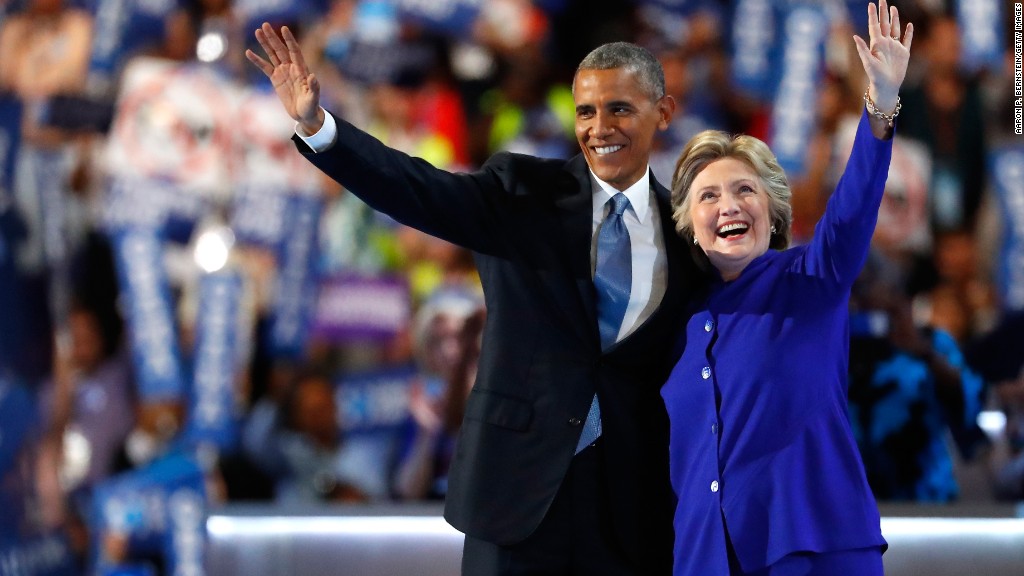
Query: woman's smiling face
729	208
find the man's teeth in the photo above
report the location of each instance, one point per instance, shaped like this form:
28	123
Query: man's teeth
607	149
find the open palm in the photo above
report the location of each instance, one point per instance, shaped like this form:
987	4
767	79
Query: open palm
296	87
885	59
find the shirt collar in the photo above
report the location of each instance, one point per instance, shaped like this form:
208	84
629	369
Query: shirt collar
639	193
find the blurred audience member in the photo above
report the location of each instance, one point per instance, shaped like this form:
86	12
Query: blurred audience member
944	110
306	446
909	386
447	343
89	402
999	356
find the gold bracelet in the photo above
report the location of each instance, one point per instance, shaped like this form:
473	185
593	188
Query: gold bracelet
874	111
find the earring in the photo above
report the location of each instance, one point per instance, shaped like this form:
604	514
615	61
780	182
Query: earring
694	240
773	228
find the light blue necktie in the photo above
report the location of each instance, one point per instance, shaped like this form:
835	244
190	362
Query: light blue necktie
613	276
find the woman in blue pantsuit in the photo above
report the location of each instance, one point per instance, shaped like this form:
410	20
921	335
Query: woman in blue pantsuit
768	476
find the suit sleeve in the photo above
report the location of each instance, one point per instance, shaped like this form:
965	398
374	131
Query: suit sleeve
843	235
464	209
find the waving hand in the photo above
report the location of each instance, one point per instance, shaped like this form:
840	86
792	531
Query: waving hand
886	57
296	87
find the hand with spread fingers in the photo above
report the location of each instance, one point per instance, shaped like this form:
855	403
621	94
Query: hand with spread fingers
296	86
885	59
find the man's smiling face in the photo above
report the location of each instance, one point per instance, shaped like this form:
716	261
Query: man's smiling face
616	122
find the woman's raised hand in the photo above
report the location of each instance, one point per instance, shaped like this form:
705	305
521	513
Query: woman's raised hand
885	59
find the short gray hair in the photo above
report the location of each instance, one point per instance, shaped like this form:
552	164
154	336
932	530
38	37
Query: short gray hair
711	145
635	59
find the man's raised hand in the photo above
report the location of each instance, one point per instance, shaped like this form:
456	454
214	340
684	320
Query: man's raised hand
296	87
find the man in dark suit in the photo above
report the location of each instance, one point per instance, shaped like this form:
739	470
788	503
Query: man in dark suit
562	460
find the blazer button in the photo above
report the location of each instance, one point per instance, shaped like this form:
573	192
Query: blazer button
574	421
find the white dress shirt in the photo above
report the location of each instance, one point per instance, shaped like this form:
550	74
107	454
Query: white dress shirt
650	266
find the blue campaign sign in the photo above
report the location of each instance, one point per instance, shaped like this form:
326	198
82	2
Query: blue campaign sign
185	539
1006	165
295	290
152	331
137	505
128	570
40	555
454	17
10	140
254	12
804	31
981	33
257	214
17	417
152	203
373	401
213	416
754	44
123	28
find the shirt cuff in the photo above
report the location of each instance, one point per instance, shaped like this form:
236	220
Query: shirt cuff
324	137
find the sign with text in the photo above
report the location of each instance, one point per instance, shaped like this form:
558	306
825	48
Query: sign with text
805	29
359	308
214	411
150	319
1007	168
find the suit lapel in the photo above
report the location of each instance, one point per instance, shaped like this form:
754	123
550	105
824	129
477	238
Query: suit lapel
575	211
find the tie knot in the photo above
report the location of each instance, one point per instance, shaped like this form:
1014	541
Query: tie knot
619	204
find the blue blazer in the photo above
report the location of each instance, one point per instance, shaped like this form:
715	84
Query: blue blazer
529	223
761	448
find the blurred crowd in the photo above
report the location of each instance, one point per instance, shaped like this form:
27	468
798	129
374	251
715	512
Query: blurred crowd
175	283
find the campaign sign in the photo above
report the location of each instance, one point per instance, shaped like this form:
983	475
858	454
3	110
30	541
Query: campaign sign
295	289
375	63
151	327
753	44
804	29
675	6
268	157
257	214
140	505
173	122
373	401
128	570
43	555
981	34
123	27
1007	168
10	139
453	17
17	416
185	539
152	203
213	416
359	308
